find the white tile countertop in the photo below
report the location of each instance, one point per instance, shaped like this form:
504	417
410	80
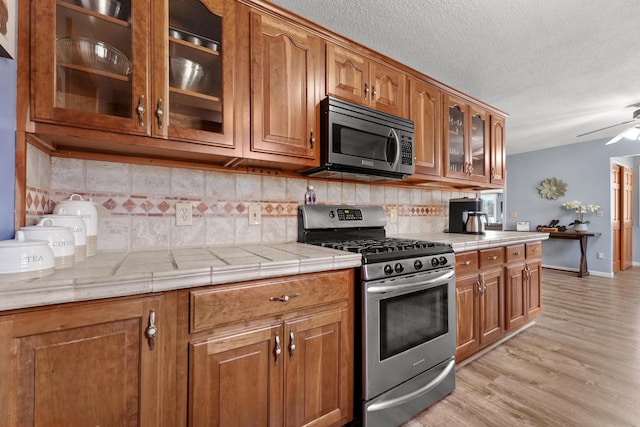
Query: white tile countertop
468	242
116	274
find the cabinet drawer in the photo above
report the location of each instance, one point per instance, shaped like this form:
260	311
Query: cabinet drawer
514	253
490	257
534	250
466	263
221	305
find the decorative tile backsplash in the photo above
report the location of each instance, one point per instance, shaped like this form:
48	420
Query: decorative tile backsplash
136	203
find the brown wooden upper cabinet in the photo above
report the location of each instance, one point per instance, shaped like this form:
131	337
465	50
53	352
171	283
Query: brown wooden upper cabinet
285	74
154	68
358	79
425	109
466	141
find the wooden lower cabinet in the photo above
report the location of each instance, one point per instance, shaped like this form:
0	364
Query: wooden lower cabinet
498	290
479	300
289	362
523	276
87	364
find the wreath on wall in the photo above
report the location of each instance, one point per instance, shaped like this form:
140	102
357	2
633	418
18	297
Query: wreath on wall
552	188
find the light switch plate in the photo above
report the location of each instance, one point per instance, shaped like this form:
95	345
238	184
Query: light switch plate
184	213
255	216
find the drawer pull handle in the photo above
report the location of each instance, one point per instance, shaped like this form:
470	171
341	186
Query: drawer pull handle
284	298
516	253
467	262
492	258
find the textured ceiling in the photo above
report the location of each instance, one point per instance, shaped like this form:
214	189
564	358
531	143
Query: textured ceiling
559	68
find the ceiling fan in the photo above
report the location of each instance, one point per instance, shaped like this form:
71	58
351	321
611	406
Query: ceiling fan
630	133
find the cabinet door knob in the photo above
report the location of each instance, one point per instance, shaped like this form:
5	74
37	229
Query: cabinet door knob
292	344
366	91
312	140
466	262
141	110
152	330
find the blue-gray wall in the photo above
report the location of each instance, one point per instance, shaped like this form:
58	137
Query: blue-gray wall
7	146
586	169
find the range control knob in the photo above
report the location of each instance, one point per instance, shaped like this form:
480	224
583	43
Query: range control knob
443	260
417	264
388	269
434	262
399	268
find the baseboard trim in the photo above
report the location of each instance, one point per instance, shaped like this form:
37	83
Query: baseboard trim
591	272
486	350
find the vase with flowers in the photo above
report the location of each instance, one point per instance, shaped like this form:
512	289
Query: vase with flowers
580	224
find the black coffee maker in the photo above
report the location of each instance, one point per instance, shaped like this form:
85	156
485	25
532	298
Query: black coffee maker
459	213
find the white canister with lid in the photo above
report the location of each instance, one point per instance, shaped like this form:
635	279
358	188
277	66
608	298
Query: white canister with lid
22	259
76	205
60	241
77	226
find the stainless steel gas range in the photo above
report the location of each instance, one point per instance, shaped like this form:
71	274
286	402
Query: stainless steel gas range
405	315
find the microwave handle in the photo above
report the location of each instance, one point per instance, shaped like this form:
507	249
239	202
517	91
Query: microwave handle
394	135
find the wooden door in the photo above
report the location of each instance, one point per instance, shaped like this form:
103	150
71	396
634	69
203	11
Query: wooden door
626	219
534	288
83	365
387	89
347	75
425	111
515	297
490	313
498	152
616	224
237	380
467	339
315	370
284	75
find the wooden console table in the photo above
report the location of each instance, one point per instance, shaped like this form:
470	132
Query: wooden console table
582	237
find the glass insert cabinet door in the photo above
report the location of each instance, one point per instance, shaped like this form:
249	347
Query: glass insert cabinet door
152	68
86	69
477	152
457	140
198	81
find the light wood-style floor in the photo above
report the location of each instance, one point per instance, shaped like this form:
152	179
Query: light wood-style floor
579	365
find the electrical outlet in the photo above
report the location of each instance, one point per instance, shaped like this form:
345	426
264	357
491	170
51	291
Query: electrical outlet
600	255
513	214
599	212
184	213
255	216
393	215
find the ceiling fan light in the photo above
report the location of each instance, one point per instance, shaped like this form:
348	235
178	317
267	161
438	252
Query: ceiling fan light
631	133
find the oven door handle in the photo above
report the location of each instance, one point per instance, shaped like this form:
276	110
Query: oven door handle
381	289
414	394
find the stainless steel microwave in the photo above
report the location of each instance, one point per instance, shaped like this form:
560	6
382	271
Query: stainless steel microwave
363	144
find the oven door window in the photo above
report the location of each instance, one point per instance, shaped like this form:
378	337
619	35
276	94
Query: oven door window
409	320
